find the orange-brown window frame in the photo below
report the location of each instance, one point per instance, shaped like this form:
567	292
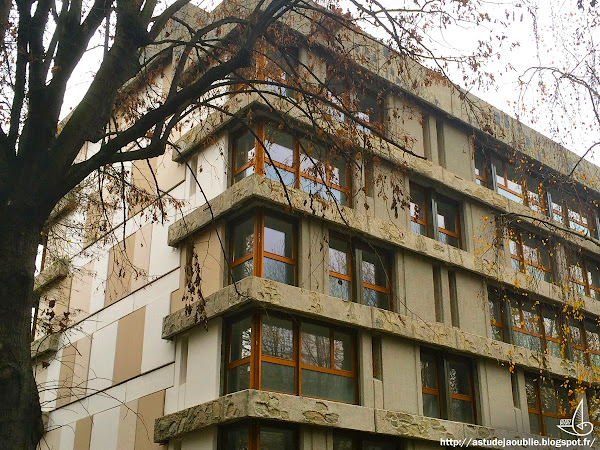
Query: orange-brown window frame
538	410
457	221
256	356
423	207
494	297
258	254
350	260
382	255
261	159
523	330
523	194
520	256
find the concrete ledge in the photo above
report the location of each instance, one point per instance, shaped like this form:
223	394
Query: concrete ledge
266	191
255	291
59	269
253	404
44	345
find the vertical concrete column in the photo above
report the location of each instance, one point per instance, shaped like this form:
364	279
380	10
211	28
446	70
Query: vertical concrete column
365	370
430	138
313	256
401	375
202	440
398	283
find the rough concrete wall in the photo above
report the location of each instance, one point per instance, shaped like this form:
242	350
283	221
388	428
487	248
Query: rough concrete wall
471	303
418	277
457	149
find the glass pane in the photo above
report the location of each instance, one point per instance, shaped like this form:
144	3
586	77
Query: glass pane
276	377
428	371
594	404
326	385
418	228
551	324
313	188
273	173
447	215
531	319
272	438
531	391
244	149
243	239
341	442
236	438
593	339
527	341
431	407
373	268
480	167
339	288
513	179
499	166
342	351
278	271
240	339
338	256
417	204
378	445
593	271
551	424
556	206
238	378
277	337
375	298
338	171
242	270
462	411
534	424
312	159
549	398
279	145
279	237
554	349
575	332
459	377
316	346
243	174
447	239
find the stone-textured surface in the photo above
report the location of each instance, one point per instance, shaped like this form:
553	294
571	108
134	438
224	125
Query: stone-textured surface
252	404
59	269
257	187
46	344
273	295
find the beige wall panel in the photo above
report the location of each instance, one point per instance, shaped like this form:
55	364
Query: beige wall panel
81	366
149	408
142	179
127	425
81	292
168	173
211	260
118	281
50	440
418	277
406	126
498	395
141	257
83	433
130	340
457	146
471	304
400	373
65	378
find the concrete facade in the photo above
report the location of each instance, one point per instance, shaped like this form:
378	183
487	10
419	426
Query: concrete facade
145	365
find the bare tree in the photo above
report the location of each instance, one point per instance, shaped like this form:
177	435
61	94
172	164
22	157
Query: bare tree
213	54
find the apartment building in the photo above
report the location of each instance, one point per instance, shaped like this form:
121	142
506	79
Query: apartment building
439	281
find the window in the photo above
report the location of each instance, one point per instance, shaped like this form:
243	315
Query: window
371	269
271	255
509	184
584	341
496	313
547	403
356	441
365	107
530	254
570	210
282	354
257	435
592	338
584	276
535	326
593	401
443	225
301	163
447	387
481	168
281	67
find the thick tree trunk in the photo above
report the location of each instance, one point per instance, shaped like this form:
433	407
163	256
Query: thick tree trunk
20	414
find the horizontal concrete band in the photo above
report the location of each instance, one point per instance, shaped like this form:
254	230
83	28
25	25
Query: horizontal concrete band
264	190
270	294
253	404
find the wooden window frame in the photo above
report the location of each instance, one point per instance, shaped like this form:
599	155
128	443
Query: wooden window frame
588	350
253	428
431	201
256	355
522	195
258	254
261	160
486	167
442	391
494	296
520	256
540	335
589	289
581	347
591	407
538	410
361	284
350	259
